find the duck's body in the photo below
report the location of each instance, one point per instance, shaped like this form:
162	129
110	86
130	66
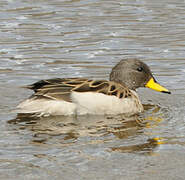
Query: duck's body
79	96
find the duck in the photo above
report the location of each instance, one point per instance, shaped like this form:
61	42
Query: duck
81	96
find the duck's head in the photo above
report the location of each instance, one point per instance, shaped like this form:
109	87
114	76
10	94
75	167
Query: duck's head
133	73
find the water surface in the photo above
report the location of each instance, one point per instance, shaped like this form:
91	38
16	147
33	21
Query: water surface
75	38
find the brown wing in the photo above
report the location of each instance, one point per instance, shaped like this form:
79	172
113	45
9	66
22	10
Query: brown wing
60	89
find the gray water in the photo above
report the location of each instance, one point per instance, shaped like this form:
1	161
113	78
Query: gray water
74	38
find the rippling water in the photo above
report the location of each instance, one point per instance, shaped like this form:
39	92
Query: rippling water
75	38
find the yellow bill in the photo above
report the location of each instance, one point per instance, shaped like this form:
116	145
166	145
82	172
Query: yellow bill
155	86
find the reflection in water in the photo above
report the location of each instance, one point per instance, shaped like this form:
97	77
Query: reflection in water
70	128
89	125
143	148
153	116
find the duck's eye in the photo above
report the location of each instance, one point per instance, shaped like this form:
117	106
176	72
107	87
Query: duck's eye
140	69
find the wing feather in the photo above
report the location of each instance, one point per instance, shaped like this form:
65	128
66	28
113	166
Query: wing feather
61	88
